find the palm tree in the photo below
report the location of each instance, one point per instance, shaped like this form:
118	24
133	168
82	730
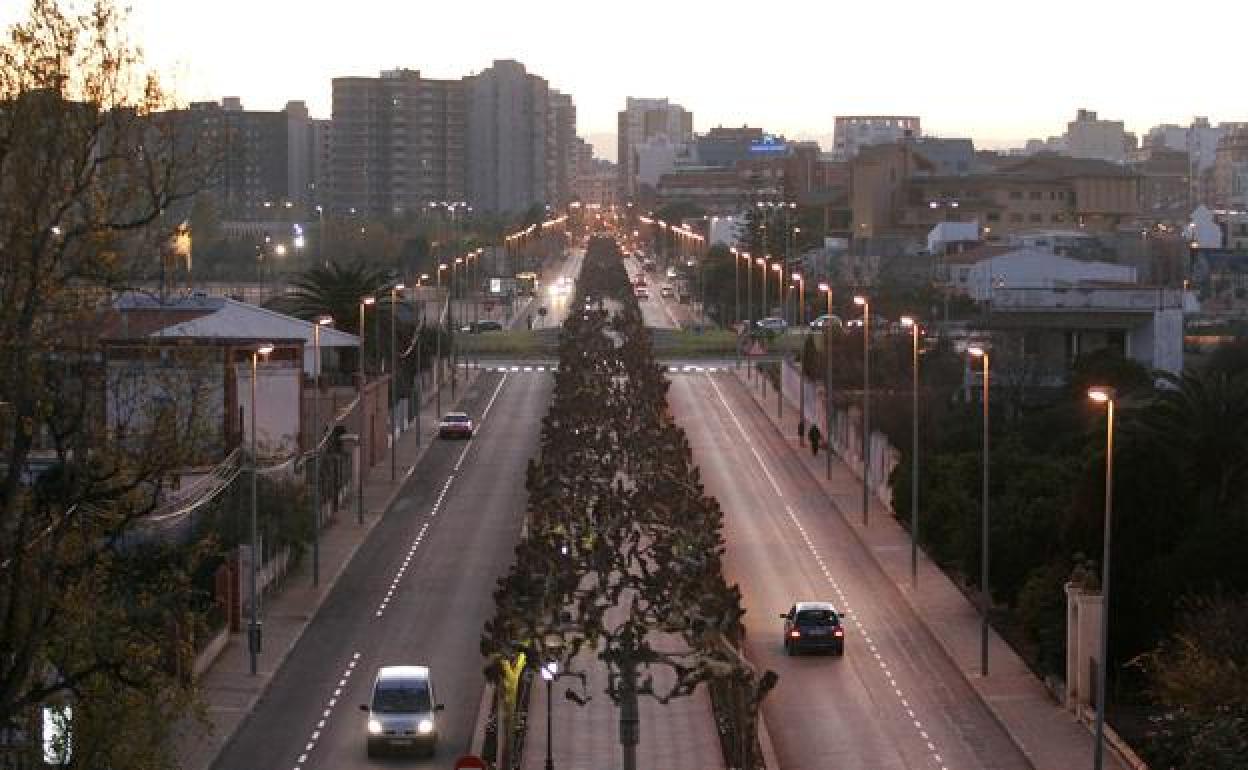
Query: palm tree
1201	422
336	291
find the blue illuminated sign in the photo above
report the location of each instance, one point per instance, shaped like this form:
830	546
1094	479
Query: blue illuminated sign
768	144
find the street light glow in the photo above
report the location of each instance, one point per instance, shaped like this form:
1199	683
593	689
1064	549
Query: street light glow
367	300
907	321
325	320
823	286
860	300
977	350
265	349
1101	394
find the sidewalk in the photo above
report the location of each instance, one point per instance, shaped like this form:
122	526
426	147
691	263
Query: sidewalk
1048	735
227	688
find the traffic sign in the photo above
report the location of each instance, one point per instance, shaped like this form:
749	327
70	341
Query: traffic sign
470	762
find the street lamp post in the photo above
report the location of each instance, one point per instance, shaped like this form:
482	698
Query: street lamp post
454	349
762	304
980	351
253	624
800	313
1107	396
316	458
362	444
550	671
394	374
736	286
914	448
437	367
827	376
778	269
866	406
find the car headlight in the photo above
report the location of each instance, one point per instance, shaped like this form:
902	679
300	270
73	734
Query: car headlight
425	727
374	727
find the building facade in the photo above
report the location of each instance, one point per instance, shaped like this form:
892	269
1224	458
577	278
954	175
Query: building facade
642	120
853	132
508	157
397	143
1089	137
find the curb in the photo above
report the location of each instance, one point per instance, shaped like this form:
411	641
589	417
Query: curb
332	581
909	599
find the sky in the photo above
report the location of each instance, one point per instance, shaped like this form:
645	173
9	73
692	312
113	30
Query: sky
998	71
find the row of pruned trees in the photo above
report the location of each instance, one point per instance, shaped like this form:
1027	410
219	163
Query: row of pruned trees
622	558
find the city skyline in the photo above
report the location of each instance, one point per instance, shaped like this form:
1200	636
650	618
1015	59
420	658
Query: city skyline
967	93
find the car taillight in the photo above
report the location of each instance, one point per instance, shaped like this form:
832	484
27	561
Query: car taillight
795	633
838	632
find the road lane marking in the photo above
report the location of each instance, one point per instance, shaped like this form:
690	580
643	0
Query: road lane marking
810	546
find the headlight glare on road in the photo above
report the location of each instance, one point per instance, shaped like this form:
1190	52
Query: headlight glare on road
374	727
425	727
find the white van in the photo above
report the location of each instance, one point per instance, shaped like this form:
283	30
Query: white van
402	711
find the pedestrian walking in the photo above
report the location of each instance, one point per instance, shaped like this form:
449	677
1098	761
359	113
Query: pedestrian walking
814	435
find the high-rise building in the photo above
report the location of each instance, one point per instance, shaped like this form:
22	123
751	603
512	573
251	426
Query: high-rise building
397	143
256	159
563	141
509	149
1230	170
642	120
853	132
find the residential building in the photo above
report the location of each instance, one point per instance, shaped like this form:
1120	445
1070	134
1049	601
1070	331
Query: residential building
853	132
509	148
1165	184
643	119
896	190
598	183
1231	170
397	143
257	157
1089	137
717	191
563	142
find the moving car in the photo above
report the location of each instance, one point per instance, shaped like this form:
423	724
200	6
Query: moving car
824	320
641	292
813	626
476	327
402	711
665	291
455	425
773	324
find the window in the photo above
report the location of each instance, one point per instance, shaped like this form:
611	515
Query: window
1016	218
1057	218
994	216
1037	195
1016	195
1036	218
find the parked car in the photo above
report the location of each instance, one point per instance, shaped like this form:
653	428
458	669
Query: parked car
455	425
773	324
813	626
476	327
824	320
402	711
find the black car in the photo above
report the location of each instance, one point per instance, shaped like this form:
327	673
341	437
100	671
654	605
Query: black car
476	327
813	626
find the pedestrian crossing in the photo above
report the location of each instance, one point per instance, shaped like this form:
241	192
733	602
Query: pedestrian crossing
551	368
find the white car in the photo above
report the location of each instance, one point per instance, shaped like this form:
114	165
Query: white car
773	324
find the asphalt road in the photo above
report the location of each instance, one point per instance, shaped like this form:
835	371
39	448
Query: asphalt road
656	312
895	700
417	592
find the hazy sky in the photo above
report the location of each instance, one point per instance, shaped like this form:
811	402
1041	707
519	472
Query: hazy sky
999	71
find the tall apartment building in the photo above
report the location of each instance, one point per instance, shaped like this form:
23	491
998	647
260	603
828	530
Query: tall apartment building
509	147
397	143
642	120
1089	137
563	144
853	132
254	157
319	184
